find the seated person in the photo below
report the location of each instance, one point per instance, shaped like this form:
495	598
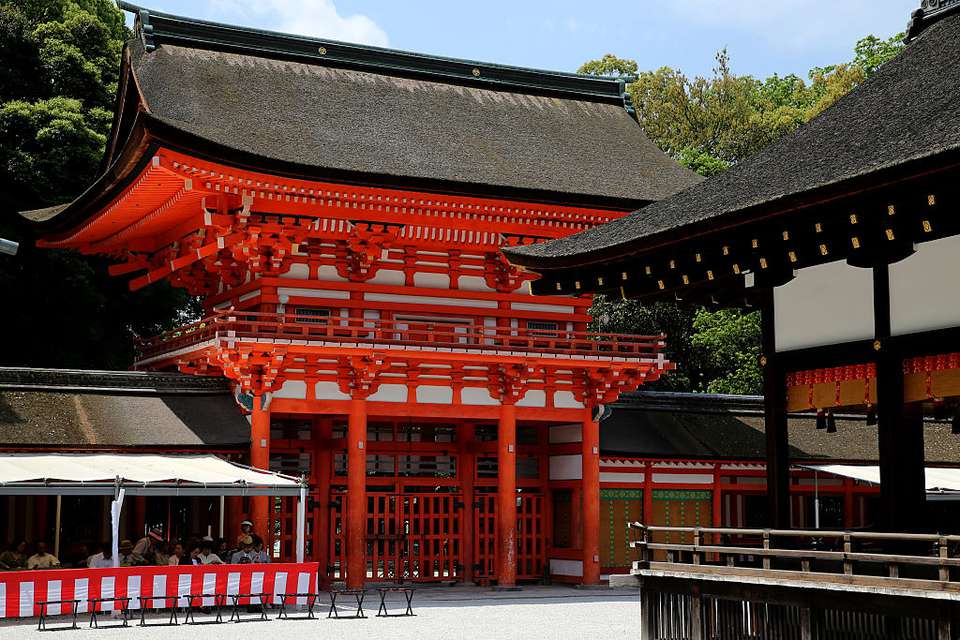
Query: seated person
245	555
43	560
127	557
260	554
14	558
207	556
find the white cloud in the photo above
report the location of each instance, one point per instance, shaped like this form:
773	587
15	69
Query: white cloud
797	24
317	18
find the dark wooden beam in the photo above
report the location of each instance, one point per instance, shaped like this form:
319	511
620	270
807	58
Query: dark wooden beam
775	419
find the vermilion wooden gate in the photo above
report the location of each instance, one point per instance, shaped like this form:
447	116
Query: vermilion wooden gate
410	536
531	545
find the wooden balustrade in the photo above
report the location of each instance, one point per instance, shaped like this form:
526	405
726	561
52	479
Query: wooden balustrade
733	584
385	333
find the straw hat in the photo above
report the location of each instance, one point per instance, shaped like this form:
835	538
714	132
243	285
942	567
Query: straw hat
246	540
126	545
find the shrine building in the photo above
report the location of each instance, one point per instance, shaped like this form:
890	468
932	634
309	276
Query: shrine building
845	236
340	210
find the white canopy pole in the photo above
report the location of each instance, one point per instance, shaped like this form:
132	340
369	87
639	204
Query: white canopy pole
301	522
115	507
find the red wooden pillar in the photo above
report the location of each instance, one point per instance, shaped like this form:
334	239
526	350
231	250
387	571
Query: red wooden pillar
591	498
848	504
357	495
467	470
323	463
260	458
507	495
140	516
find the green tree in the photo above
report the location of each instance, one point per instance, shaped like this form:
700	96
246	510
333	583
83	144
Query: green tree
61	60
609	66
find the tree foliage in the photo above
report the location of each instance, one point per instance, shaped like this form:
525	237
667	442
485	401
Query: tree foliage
708	124
57	86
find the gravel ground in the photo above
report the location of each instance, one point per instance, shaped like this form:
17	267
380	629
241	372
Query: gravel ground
442	612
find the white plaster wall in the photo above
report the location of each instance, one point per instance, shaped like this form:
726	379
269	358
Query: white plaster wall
477	396
330	391
826	304
544	308
566	400
559	567
473	283
533	398
296	292
390	393
434	394
622	476
565	433
683	478
292	389
431	280
566	467
298	271
446	302
388	277
924	288
329	272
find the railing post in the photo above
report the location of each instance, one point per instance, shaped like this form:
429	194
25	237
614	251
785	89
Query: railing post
943	551
697	541
847	549
766	547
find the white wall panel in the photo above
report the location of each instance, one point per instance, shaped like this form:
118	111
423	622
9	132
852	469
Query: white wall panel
292	389
477	396
566	400
826	304
924	288
435	394
567	467
330	391
533	398
390	393
559	567
388	277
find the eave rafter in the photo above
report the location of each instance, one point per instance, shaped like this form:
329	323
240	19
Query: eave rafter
729	266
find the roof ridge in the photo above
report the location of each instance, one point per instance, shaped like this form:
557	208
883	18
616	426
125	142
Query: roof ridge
930	11
49	379
156	28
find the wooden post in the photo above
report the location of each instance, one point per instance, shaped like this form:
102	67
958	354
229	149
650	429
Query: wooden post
323	461
899	428
696	613
591	498
507	495
356	537
260	458
775	418
467	472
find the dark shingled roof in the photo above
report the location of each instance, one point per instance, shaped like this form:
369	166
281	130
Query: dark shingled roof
906	113
107	409
653	424
356	121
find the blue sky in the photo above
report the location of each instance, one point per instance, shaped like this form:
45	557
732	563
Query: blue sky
763	37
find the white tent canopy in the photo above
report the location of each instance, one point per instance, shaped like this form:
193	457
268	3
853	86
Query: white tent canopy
117	475
940	481
138	474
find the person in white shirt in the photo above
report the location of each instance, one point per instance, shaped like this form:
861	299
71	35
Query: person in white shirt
207	556
41	559
102	559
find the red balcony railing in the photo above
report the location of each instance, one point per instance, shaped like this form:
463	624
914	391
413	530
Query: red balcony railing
401	333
